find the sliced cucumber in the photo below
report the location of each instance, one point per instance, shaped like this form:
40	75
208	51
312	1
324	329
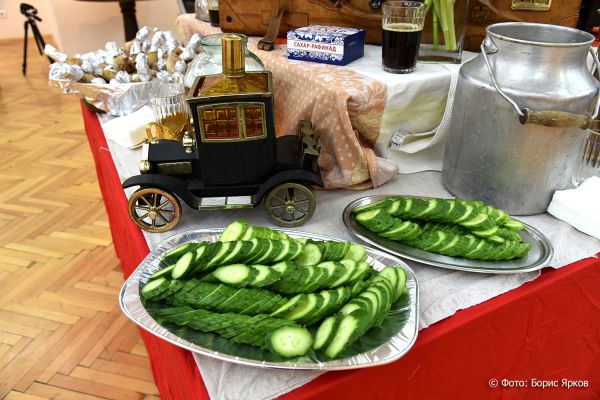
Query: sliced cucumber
514	225
290	305
181	250
275	251
401	284
289	341
259	250
173	287
238	275
154	288
325	332
311	255
350	328
318	279
376	221
327	299
394	207
284	252
350	267
374	206
234	231
334	251
222	254
312	304
184	265
283	267
234	253
389	274
162	273
356	252
265	275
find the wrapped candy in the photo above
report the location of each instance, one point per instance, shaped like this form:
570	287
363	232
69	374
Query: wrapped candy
143	68
70	72
142	34
153	54
170	42
180	67
177	77
54	54
157	41
163	75
90	66
112	49
192	48
162	53
136	48
122	77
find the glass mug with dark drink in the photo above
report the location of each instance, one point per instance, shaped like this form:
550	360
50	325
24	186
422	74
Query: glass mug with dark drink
213	12
402	26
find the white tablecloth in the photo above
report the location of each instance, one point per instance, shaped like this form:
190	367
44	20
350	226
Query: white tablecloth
416	103
443	292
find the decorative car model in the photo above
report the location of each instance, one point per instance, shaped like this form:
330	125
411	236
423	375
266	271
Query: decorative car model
233	160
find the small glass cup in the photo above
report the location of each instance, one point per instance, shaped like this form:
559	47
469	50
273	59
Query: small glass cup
588	160
171	111
213	12
402	25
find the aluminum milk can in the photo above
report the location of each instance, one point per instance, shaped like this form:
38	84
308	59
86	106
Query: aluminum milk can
519	116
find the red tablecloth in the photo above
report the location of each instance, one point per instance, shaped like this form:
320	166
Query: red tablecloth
546	330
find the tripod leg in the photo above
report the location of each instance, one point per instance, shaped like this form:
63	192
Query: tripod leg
24	67
39	40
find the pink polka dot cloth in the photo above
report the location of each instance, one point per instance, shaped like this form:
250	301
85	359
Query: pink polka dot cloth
344	106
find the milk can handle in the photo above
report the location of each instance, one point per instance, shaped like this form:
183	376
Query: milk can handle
546	118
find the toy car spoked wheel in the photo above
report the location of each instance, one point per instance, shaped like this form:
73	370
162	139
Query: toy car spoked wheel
154	210
290	204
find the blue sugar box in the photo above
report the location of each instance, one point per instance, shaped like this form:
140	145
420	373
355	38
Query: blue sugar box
326	44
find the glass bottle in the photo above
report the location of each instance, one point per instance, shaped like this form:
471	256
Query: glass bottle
234	77
202	10
208	62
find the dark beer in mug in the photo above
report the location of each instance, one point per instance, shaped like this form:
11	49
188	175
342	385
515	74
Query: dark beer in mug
401	46
213	16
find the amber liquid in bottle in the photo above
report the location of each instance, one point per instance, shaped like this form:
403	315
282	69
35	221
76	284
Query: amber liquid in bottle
234	79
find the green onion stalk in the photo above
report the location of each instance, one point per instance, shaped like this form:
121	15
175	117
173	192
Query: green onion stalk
442	15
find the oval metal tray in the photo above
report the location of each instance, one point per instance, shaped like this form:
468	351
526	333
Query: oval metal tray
389	351
538	257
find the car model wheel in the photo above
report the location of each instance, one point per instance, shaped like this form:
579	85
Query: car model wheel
154	210
290	204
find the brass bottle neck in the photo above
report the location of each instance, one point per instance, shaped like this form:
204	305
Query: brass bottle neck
233	55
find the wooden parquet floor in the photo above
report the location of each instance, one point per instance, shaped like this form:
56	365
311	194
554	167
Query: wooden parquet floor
62	335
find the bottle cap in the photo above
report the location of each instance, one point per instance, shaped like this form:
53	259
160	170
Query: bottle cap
233	54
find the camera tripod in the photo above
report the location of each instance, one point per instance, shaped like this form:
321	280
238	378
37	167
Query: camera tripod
30	13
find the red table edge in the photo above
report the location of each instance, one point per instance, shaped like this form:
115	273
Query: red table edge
137	242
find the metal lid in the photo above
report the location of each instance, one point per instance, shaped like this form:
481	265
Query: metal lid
233	54
540	34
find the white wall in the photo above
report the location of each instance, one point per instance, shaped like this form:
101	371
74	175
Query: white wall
11	26
81	26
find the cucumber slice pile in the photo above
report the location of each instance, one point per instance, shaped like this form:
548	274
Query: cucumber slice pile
451	227
260	287
369	308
